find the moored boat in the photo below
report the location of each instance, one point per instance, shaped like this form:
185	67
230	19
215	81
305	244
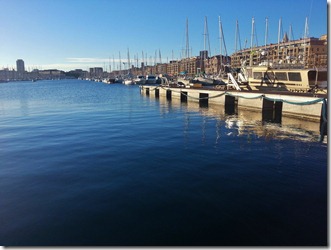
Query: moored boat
150	79
128	81
140	79
267	78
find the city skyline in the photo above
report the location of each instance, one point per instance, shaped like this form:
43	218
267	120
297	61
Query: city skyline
68	35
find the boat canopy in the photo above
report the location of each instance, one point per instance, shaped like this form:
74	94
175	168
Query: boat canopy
183	72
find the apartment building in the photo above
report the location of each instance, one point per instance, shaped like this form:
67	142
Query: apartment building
189	66
173	68
96	72
214	64
306	52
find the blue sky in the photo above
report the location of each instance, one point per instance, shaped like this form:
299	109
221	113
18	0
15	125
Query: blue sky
70	34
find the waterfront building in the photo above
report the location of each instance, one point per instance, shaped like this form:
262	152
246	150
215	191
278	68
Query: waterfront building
307	52
96	72
51	74
161	68
172	68
213	64
78	73
190	65
7	75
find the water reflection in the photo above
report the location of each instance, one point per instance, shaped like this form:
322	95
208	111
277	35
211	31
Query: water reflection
243	122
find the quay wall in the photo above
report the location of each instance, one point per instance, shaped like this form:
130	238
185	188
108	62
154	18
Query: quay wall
301	107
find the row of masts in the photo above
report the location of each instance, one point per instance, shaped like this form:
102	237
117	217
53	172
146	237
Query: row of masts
237	36
136	59
222	42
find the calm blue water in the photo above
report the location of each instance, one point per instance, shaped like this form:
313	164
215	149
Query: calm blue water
90	164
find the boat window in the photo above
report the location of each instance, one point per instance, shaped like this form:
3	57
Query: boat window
257	75
270	75
281	76
294	76
322	76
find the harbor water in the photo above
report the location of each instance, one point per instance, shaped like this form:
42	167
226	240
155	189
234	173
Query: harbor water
91	164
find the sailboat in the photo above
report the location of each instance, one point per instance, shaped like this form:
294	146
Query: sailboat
129	80
201	77
119	79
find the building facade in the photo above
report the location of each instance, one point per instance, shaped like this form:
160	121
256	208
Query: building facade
309	52
20	68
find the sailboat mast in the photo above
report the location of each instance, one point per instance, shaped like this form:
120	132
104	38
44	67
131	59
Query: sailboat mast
187	52
279	26
206	36
290	33
137	58
119	54
142	61
113	62
306	28
305	38
266	32
221	37
252	34
128	61
236	35
109	65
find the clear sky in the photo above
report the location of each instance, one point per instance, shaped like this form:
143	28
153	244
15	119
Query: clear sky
70	34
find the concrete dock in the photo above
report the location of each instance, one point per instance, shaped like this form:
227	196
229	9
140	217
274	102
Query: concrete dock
270	104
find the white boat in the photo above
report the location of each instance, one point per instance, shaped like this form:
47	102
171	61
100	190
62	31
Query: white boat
203	80
140	79
184	81
128	82
285	78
